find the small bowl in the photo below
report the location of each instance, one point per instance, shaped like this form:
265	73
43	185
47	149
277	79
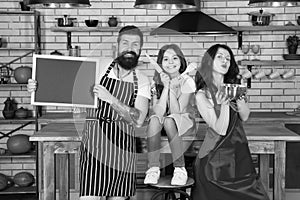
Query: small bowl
234	91
91	22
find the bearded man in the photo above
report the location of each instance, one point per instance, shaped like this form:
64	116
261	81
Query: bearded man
107	157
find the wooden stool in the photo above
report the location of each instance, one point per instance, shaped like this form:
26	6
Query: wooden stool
166	189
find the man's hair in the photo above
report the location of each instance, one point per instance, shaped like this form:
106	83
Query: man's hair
130	30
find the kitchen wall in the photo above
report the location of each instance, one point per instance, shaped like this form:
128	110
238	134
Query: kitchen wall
265	94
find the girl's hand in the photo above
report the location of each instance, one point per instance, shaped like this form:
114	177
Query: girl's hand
175	86
102	93
222	98
165	79
31	85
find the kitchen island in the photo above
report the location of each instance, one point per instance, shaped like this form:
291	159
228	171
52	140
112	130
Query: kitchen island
62	136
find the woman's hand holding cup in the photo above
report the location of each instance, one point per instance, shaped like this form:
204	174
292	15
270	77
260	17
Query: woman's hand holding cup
222	97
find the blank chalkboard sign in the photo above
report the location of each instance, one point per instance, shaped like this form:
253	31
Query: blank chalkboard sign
64	80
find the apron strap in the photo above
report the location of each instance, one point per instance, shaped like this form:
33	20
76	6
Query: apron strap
109	68
135	82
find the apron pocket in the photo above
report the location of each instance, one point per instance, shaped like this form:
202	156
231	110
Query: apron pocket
221	165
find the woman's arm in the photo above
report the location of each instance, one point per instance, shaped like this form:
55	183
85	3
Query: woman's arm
207	112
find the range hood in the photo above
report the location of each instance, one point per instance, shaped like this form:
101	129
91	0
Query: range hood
193	23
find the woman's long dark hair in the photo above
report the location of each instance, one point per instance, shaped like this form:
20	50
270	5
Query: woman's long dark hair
204	74
158	83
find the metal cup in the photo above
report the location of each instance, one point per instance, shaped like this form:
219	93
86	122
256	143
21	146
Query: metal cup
288	74
247	74
74	51
260	74
274	75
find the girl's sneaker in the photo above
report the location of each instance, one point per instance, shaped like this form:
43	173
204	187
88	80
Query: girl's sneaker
152	176
180	176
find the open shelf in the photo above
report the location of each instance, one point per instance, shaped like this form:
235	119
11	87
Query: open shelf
19	190
18	12
31	154
17	120
267	28
92	29
241	29
269	62
112	29
13	85
16	49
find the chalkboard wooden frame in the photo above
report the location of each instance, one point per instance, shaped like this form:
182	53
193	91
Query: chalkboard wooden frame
64	81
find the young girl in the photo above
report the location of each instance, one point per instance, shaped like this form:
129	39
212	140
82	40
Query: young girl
223	168
171	97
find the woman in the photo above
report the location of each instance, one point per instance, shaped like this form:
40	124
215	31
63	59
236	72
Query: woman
223	167
172	93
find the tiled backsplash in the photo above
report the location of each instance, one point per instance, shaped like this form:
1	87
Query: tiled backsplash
265	95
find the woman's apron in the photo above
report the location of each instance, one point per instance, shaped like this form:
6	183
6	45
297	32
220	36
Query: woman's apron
227	172
107	159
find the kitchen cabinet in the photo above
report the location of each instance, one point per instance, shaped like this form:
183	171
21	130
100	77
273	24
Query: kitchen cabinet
37	39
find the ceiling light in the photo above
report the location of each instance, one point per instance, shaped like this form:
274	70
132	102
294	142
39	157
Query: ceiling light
274	3
57	3
165	4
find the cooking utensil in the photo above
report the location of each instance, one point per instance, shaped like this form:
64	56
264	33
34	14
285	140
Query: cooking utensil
261	18
65	21
91	22
234	91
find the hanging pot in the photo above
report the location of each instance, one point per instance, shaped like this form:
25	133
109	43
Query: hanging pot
65	21
21	113
261	18
112	21
9	109
22	74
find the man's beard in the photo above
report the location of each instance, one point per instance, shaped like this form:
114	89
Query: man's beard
128	60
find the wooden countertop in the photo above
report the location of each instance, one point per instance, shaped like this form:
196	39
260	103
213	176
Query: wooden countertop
273	117
262	125
255	117
73	132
